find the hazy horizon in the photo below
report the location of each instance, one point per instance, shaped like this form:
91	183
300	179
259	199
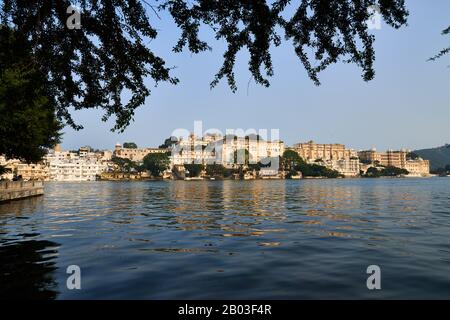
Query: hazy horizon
405	106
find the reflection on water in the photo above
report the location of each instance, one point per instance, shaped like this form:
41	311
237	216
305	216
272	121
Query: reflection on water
26	264
229	239
26	270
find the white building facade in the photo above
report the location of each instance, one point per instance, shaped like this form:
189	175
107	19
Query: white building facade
69	166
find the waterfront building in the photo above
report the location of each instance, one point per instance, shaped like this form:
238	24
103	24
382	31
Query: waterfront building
399	159
259	150
105	155
26	171
71	166
333	156
314	151
31	171
137	154
228	151
193	149
347	167
389	158
418	167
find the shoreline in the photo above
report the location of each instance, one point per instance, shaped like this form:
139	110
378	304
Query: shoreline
226	179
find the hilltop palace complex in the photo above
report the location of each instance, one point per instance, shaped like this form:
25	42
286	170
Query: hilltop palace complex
87	165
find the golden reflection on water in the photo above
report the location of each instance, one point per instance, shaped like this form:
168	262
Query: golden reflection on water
233	207
253	208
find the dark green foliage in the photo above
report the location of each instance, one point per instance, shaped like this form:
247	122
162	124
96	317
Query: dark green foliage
157	163
412	156
193	169
130	145
373	172
315	170
321	31
254	166
393	172
215	170
168	143
218	170
364	161
110	55
293	163
28	125
124	164
94	66
140	168
290	160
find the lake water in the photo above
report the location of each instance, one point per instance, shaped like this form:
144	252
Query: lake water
229	240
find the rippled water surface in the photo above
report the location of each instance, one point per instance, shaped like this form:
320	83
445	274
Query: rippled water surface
229	239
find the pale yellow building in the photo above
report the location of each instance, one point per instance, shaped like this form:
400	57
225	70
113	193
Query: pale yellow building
32	171
399	159
347	167
418	167
333	156
137	155
389	158
313	151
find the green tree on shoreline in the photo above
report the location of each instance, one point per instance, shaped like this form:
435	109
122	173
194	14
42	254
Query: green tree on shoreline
157	163
28	122
293	163
193	169
123	164
388	171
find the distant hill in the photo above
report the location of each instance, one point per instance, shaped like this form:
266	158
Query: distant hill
439	157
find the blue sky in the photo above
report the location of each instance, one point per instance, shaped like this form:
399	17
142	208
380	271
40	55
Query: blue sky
407	105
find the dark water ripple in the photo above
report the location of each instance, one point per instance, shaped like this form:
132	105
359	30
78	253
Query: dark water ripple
229	239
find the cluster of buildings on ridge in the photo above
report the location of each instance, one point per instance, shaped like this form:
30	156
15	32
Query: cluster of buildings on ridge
87	165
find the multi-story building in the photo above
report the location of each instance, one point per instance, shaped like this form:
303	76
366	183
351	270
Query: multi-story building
346	167
399	159
229	150
25	171
313	151
31	171
418	167
389	158
70	166
333	156
193	149
234	150
137	154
